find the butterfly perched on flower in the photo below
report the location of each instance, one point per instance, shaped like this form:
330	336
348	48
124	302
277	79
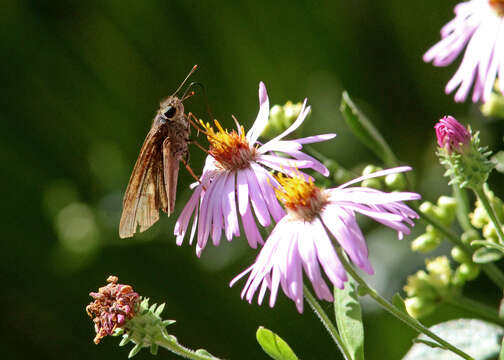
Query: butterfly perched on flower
153	182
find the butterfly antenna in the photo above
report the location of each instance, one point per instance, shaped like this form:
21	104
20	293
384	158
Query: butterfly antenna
187	77
194	83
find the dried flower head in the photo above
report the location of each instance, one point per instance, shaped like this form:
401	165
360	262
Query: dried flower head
113	305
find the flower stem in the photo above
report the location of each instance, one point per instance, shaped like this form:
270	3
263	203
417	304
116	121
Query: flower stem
173	346
480	192
492	271
482	310
404	317
328	324
463	209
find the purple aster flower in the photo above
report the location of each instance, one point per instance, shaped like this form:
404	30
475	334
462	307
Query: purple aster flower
451	134
236	179
480	25
301	240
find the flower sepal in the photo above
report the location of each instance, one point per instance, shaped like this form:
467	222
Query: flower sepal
146	329
470	166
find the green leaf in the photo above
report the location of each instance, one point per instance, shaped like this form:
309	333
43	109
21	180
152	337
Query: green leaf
486	255
349	319
365	131
398	302
429	343
203	352
477	338
273	345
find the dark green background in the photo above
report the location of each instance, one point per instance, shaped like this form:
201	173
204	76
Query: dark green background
80	83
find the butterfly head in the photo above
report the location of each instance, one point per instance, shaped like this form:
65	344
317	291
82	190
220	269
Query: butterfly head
171	109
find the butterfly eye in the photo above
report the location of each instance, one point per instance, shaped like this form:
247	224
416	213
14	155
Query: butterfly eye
170	112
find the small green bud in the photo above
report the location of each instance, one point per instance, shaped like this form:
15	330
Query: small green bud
460	255
280	118
427	208
490	233
419	284
396	182
468	271
446	209
419	307
479	216
469	236
369	169
372	183
494	106
425	243
440	268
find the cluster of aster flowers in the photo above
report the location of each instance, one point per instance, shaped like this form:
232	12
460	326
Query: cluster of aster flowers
238	183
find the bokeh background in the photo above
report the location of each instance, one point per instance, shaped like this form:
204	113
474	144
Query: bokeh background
80	83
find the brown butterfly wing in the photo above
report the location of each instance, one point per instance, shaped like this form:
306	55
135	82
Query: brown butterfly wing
171	169
146	192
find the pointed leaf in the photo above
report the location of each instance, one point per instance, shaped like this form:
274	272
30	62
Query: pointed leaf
349	319
477	338
273	345
134	351
398	302
203	352
365	131
160	309
486	255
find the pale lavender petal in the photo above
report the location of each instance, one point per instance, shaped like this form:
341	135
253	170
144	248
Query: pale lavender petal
256	197
348	234
301	117
266	183
183	220
280	145
262	117
250	228
395	170
229	208
243	191
314	139
327	255
310	263
282	161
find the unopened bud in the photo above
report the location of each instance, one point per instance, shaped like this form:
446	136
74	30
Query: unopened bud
425	243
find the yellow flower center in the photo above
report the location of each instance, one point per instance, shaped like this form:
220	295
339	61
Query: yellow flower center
231	150
498	6
301	198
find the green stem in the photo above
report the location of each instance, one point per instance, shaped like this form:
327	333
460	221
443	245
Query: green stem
482	310
490	211
180	350
404	317
328	324
463	208
492	271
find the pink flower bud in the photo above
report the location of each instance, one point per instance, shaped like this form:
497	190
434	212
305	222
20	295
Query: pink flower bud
451	134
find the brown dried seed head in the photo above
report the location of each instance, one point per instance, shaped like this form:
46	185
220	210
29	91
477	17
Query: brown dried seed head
113	305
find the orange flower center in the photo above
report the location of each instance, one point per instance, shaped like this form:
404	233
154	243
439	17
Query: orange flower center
231	150
301	198
498	6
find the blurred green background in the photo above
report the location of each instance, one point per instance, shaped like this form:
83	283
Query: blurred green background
81	81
